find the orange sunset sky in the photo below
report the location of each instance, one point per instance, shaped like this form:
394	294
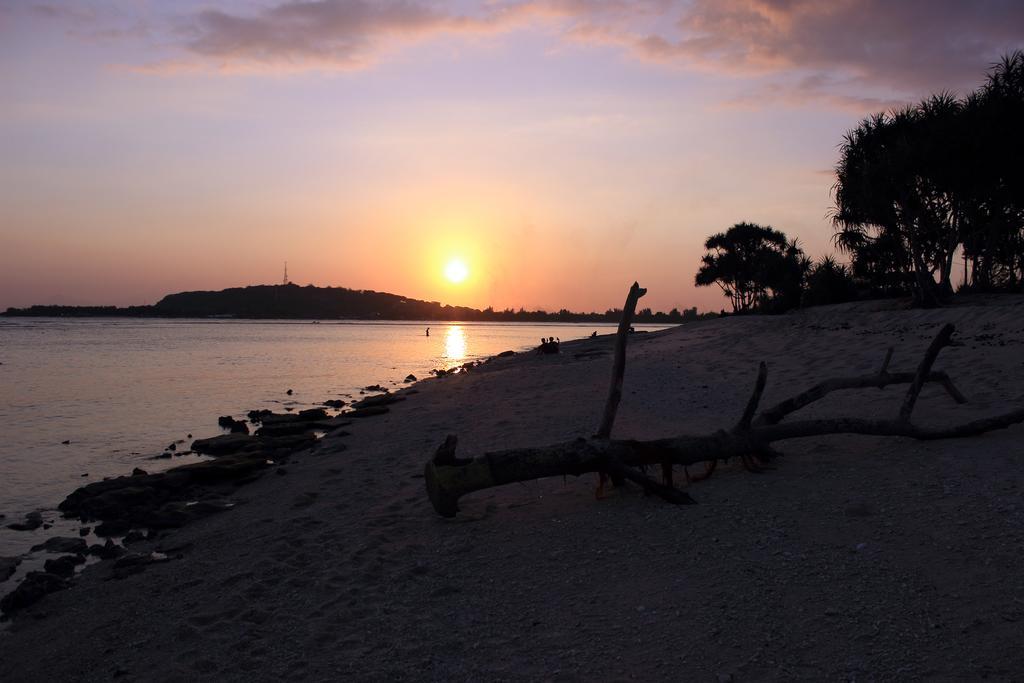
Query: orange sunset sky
561	149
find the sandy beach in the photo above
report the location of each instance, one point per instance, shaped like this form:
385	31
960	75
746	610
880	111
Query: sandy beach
859	558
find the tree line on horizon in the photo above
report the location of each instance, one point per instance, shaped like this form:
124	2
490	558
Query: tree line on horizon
915	188
292	301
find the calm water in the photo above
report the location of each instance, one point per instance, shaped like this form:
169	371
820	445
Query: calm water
121	390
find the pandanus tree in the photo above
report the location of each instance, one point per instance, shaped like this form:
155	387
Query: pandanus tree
753	265
916	185
828	282
895	186
994	241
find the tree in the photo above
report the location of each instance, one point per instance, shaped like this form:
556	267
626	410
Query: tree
896	183
916	186
828	282
754	266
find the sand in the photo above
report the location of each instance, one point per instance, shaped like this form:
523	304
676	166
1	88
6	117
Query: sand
857	558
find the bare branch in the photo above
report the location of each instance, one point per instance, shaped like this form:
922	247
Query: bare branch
755	398
651	487
446	484
776	413
941	339
619	367
448	478
885	363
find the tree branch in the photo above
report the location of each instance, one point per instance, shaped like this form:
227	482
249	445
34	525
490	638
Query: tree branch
619	367
941	339
776	413
755	398
448	478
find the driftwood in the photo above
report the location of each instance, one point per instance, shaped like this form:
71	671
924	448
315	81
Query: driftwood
750	440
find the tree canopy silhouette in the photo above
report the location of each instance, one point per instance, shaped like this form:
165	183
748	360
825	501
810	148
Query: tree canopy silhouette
755	266
916	185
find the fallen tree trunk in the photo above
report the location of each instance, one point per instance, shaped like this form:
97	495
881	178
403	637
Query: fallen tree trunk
448	478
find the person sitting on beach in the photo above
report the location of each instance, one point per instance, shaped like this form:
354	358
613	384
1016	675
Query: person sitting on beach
548	345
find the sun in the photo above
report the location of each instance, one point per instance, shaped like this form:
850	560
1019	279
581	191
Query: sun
456	271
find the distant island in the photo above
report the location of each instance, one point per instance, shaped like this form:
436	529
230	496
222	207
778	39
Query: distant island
292	301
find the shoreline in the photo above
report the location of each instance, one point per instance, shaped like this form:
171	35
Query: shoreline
341	568
134	438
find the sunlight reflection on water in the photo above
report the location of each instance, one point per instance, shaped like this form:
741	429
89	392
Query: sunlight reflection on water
454	345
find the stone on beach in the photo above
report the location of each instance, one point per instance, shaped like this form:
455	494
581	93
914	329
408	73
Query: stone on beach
62	544
375	401
31	589
63	566
7	567
33	521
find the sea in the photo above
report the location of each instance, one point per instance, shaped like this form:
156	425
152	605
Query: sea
86	398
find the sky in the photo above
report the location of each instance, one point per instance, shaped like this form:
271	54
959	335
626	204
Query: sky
560	148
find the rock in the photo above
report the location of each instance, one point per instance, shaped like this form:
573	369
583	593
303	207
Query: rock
172	447
332	423
162	456
32	589
7	567
111	498
133	537
135	562
285	429
368	412
269	418
84	531
108	551
63	566
280	471
225	444
139	472
62	544
227	468
506	354
66	442
257	415
375	387
334	403
233	425
33	521
312	414
379	400
410	377
289	392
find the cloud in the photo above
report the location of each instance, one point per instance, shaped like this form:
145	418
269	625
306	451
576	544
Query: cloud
911	43
850	54
845	53
341	33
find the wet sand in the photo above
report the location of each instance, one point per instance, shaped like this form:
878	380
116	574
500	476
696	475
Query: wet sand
857	557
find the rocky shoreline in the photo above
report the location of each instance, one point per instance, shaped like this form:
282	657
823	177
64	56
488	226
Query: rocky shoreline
144	507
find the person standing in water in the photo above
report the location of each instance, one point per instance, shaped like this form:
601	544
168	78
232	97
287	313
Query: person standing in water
428	331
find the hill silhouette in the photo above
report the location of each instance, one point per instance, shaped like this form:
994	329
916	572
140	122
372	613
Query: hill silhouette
292	301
